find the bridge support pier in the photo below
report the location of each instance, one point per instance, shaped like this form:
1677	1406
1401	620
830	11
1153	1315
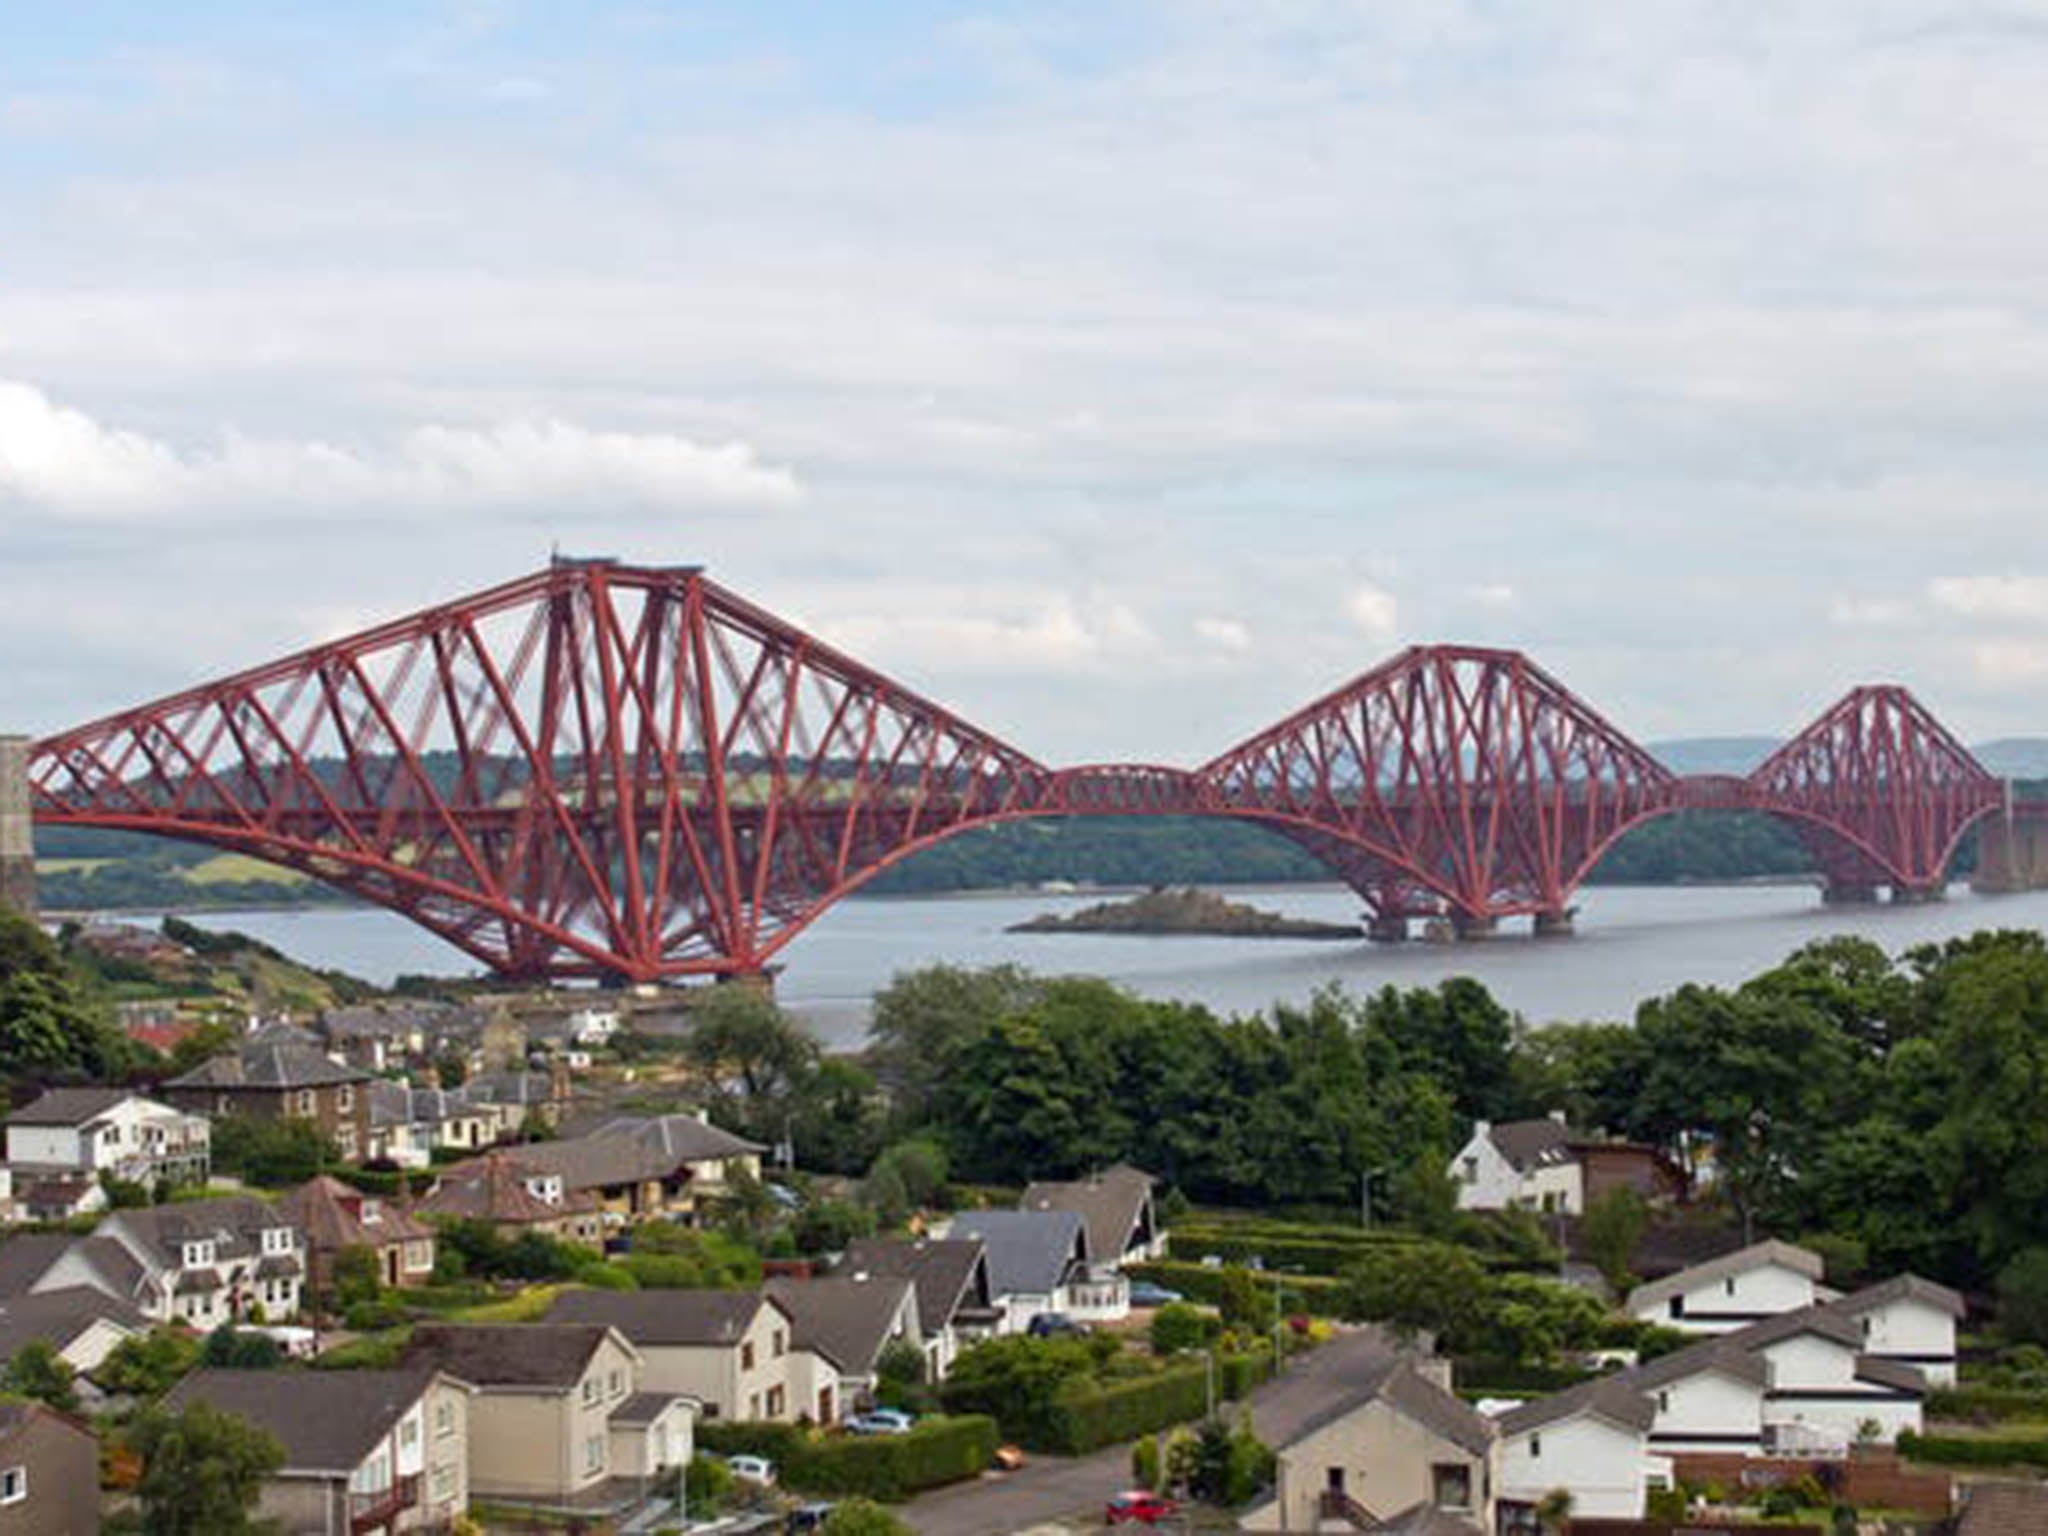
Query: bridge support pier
2012	855
1474	925
1554	925
1386	927
1919	895
1848	893
760	983
17	830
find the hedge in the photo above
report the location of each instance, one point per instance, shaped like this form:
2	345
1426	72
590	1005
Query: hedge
1956	1451
1317	1295
1281	1250
935	1451
1088	1415
1975	1402
1490	1375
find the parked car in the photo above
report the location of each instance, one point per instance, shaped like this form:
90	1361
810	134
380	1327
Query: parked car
1139	1508
1054	1325
806	1517
1145	1294
1212	1261
881	1421
752	1469
1009	1458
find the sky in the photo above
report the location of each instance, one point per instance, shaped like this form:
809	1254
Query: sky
1121	374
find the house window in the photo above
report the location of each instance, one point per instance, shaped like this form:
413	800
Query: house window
1663	1402
345	1097
443	1486
776	1402
1471	1170
593	1454
444	1419
617	1384
13	1485
305	1101
1535	1447
408	1434
345	1140
1728	1286
589	1390
747	1355
1451	1485
777	1344
1677	1306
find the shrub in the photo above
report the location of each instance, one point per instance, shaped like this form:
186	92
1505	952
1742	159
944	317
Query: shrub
936	1451
708	1484
1990	1451
1177	1326
1145	1462
1087	1417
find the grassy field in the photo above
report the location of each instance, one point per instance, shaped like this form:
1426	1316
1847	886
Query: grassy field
224	868
70	866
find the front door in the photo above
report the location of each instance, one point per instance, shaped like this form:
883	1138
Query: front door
825	1405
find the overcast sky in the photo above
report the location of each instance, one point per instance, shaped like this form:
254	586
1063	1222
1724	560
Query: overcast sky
1121	374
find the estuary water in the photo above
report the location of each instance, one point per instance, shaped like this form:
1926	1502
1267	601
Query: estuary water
1632	942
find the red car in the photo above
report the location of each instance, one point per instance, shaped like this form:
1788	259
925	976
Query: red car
1139	1508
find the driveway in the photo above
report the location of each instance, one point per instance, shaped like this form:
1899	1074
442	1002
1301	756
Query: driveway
1056	1489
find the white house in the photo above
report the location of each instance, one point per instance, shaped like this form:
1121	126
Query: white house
202	1262
1593	1440
1707	1398
1825	1393
96	1131
1038	1262
1908	1321
1722	1295
1526	1164
593	1025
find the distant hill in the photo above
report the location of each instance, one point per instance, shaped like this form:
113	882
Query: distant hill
1713	754
2015	757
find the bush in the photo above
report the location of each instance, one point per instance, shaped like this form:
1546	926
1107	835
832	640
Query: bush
936	1451
1955	1451
707	1484
2023	1297
1145	1462
1087	1417
1178	1326
1315	1295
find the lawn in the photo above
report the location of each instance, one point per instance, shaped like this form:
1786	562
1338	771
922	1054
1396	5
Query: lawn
228	868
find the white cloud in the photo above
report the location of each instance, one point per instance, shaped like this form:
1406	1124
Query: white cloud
1493	594
2012	599
56	459
1871	612
2010	664
1374	611
1224	634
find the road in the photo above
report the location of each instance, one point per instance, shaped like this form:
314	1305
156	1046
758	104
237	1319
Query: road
1073	1491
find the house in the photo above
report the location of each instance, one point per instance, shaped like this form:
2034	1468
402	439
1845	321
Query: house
393	1139
593	1026
1593	1441
1038	1261
111	1131
335	1216
1539	1165
82	1323
364	1451
841	1327
280	1079
955	1301
1825	1392
561	1418
1117	1205
519	1095
49	1472
506	1190
200	1262
53	1194
730	1351
2002	1509
1709	1397
635	1167
381	1037
1397	1446
1732	1291
1908	1321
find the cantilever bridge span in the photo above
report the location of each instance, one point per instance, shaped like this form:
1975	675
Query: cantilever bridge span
626	772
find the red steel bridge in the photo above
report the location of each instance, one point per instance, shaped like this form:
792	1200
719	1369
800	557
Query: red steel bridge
630	773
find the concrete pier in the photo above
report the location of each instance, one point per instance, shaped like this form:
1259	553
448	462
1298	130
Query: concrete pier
17	830
1389	929
2012	855
1918	895
1468	925
1848	893
1554	925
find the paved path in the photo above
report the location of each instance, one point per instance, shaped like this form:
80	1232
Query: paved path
1073	1491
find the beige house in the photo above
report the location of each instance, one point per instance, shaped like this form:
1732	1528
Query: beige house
1399	1452
634	1167
364	1451
562	1418
842	1326
49	1472
732	1351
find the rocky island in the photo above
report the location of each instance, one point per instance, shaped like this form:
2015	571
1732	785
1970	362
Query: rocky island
1184	911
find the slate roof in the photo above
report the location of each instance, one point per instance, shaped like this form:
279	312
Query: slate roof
548	1355
327	1421
1898	1288
1833	1326
60	1316
2003	1509
629	1150
1896	1374
1393	1380
1110	1203
17	1413
845	1320
493	1188
1716	1354
381	1020
232	1222
1030	1253
27	1256
1532	1144
69	1106
678	1319
942	1270
1606	1397
1426	1519
642	1408
268	1067
1741	1261
325	1209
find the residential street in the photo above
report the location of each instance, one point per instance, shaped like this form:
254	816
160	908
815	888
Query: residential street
1053	1489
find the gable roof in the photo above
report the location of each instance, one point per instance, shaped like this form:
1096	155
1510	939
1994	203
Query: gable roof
1425	1519
1715	1354
1741	1261
1818	1321
60	1316
1898	1288
1110	1202
1029	1252
1532	1144
27	1256
492	1187
548	1355
1393	1380
327	1421
69	1106
268	1066
326	1210
1605	1397
941	1269
2003	1509
160	1228
846	1320
631	1149
18	1413
685	1319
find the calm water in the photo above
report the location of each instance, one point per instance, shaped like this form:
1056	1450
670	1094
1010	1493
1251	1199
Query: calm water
1632	942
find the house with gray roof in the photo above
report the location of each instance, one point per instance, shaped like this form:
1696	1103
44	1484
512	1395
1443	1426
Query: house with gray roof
731	1351
1038	1262
281	1080
1734	1290
81	1322
1542	1165
955	1300
1908	1321
199	1262
49	1471
370	1450
642	1166
88	1132
1117	1205
1593	1440
841	1326
1395	1450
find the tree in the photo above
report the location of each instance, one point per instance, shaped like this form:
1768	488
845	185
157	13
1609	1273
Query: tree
46	1031
229	1348
923	1021
751	1053
271	1153
1243	1302
900	1376
148	1365
2023	1297
1609	1232
358	1277
1178	1326
38	1371
202	1471
827	1226
1418	1288
862	1517
906	1177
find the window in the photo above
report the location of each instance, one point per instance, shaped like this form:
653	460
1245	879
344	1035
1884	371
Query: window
1663	1402
408	1434
1452	1485
444	1418
1333	1479
754	1406
593	1454
1471	1170
589	1390
13	1485
776	1402
1728	1286
305	1101
747	1355
778	1343
345	1140
443	1484
1536	1447
345	1097
617	1383
1677	1308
